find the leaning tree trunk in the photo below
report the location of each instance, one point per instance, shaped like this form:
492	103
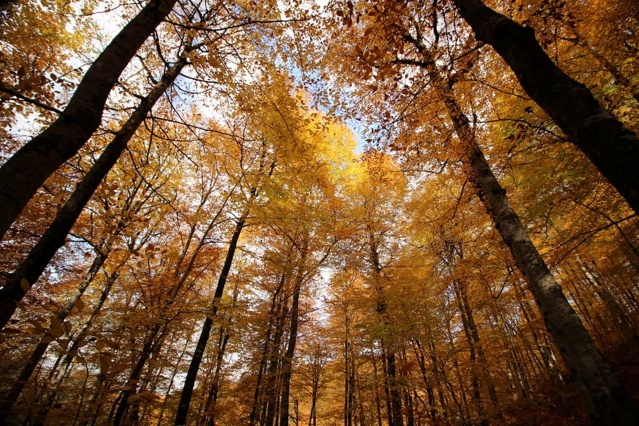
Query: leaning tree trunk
54	237
619	77
605	399
64	366
194	366
613	148
33	361
27	169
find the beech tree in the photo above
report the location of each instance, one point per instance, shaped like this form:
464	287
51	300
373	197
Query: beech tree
610	145
28	168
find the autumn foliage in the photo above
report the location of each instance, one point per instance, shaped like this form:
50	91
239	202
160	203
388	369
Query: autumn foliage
325	213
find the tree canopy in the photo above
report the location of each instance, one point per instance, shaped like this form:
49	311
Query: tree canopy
301	212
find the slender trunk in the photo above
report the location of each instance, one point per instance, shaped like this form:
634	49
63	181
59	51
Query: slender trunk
41	348
349	376
395	392
32	267
287	361
440	376
27	169
169	388
421	361
474	370
259	394
189	382
211	400
152	344
463	404
66	362
612	148
604	398
618	317
270	406
392	389
378	399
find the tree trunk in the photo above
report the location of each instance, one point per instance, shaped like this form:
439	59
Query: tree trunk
393	392
152	344
613	148
66	362
467	318
32	267
273	313
604	398
194	366
29	167
287	362
223	339
619	77
43	345
273	375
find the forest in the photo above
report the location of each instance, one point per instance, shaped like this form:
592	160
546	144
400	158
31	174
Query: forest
322	213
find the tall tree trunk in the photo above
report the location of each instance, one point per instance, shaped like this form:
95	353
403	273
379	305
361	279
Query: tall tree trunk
152	344
41	348
63	369
421	361
393	392
211	399
273	376
466	316
27	169
613	148
54	237
287	362
259	387
194	366
605	399
169	388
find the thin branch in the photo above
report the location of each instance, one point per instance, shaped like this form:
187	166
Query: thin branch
30	100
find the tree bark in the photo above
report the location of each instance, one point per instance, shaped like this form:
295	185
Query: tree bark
619	77
27	169
393	391
287	362
194	366
54	237
273	314
43	345
612	148
605	399
152	344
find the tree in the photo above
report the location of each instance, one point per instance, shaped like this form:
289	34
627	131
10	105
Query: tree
32	267
27	169
610	145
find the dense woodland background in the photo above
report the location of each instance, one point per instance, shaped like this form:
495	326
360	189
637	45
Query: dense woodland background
292	232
